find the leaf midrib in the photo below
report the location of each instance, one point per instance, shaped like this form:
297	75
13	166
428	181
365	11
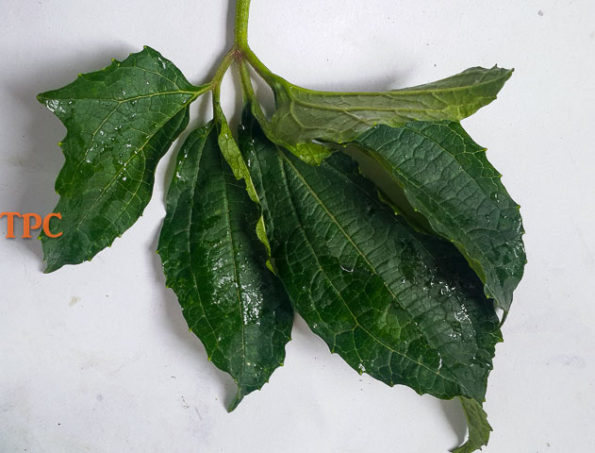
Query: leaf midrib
189	230
233	260
129	99
398	91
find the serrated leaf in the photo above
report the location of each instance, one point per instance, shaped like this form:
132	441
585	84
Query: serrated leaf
401	306
305	115
479	428
120	121
446	176
216	265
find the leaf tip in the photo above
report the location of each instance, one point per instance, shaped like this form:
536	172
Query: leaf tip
505	70
147	48
236	400
51	267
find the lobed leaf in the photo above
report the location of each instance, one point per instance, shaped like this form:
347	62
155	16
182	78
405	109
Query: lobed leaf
401	306
447	178
120	121
215	263
305	115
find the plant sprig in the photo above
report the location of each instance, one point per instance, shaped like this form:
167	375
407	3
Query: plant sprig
399	273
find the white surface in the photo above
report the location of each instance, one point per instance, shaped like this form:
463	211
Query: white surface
97	357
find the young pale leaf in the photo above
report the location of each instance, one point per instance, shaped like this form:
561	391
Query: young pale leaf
231	152
235	160
446	176
479	428
216	265
304	115
312	153
120	121
401	306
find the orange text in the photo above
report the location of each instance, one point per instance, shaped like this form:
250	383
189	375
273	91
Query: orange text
31	221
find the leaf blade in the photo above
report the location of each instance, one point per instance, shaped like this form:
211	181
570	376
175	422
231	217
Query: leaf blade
447	178
303	116
120	121
375	310
214	262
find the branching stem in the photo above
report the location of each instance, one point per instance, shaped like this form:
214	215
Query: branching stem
242	55
270	77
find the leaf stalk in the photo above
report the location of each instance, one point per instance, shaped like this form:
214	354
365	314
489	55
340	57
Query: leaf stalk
270	77
220	72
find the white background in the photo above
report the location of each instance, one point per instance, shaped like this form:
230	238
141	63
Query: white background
97	357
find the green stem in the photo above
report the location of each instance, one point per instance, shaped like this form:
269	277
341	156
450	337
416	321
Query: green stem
221	70
270	77
242	55
250	98
247	88
241	29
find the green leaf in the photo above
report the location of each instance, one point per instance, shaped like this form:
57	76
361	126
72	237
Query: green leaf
479	428
231	152
233	156
120	121
401	306
216	265
304	115
312	153
446	176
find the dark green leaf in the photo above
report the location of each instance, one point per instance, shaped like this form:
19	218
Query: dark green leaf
446	176
401	306
479	428
120	122
304	115
216	265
